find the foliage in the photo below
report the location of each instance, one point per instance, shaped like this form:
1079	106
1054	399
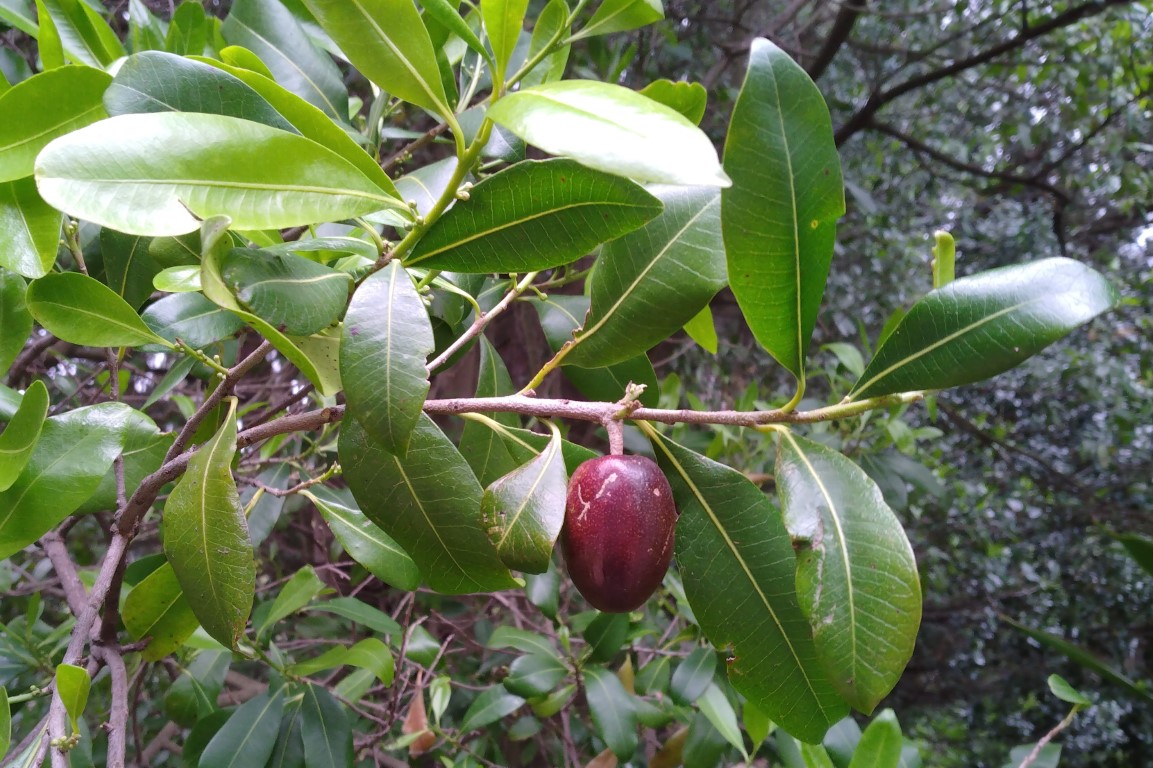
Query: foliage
286	392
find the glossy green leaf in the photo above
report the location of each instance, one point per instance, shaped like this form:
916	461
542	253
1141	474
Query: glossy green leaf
15	321
534	215
325	729
649	283
481	445
693	676
154	81
723	717
194	694
150	175
74	452
188	30
128	266
446	14
881	743
856	576
491	705
979	326
269	30
360	613
612	710
85	36
503	20
560	316
72	686
738	566
22	433
29	229
370	654
156	609
145	31
48	41
19	14
296	593
144	449
779	217
620	16
298	296
43	107
79	309
429	502
206	538
505	636
5	723
314	124
192	319
1065	692
612	129
1140	548
367	544
248	738
654	677
524	510
289	749
690	99
387	42
551	23
702	330
841	741
606	635
385	342
534	675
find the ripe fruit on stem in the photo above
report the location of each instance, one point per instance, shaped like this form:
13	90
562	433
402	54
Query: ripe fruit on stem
618	532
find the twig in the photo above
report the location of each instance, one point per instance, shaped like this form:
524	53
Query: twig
482	320
1032	757
117	725
53	544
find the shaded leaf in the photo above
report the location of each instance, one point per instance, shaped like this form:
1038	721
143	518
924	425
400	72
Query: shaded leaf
979	326
191	318
429	502
326	731
881	743
505	636
690	99
534	215
856	576
79	309
612	129
144	448
360	613
612	711
295	294
649	283
1140	548
22	433
156	609
384	344
1065	692
5	723
129	268
779	217
693	676
206	538
44	106
296	593
15	321
261	177
720	713
29	229
534	675
248	738
481	445
367	544
370	654
491	705
737	564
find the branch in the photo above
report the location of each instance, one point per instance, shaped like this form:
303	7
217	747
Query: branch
838	34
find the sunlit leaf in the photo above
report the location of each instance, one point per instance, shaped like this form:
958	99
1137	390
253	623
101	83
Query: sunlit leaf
503	20
621	16
690	99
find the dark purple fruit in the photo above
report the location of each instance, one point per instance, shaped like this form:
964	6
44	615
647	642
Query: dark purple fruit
618	531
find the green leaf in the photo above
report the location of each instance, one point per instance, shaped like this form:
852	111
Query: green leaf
606	634
534	675
621	16
5	723
881	743
524	510
503	20
325	729
482	446
560	316
612	710
702	330
690	99
261	177
429	502
693	676
249	736
206	538
22	433
1048	757
192	319
979	326
505	636
74	452
29	228
156	609
19	14
144	449
128	266
1084	658
76	308
1065	692
649	283
72	686
269	30
155	81
188	31
295	294
446	14
388	43
779	217
534	215
490	706
48	39
367	544
86	37
552	22
289	749
43	107
297	592
612	129
385	342
737	565
654	677
1140	548
360	613
370	654
721	714
856	576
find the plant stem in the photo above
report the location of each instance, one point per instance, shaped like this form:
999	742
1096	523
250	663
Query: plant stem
482	320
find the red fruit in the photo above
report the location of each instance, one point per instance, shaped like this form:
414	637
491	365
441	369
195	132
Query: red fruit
618	532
